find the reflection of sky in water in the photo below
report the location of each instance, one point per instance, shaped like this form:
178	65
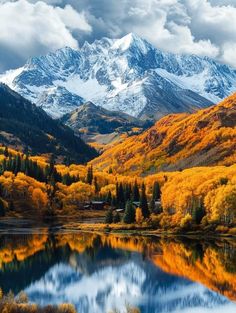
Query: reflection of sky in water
96	288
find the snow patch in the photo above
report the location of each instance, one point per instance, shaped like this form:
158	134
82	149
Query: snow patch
89	89
195	82
9	76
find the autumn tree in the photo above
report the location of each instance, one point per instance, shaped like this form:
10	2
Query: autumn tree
39	198
186	221
138	215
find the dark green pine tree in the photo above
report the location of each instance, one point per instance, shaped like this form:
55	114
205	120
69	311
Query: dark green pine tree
6	153
109	217
17	164
22	166
156	191
116	218
198	214
143	202
129	215
121	196
1	189
4	165
113	202
2	208
51	164
127	192
2	168
109	197
11	206
135	193
152	206
117	193
66	179
90	175
96	187
27	165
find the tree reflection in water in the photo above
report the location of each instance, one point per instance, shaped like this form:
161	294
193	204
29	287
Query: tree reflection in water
94	271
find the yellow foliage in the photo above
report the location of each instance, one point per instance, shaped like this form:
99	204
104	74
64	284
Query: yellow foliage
186	191
39	198
186	221
138	215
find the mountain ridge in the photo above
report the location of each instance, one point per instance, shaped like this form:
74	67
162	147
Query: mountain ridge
127	74
28	127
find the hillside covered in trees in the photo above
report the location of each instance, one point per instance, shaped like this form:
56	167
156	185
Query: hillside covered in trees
177	141
178	176
27	127
100	127
196	199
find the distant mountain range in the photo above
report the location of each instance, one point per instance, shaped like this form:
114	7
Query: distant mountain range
128	75
25	126
178	141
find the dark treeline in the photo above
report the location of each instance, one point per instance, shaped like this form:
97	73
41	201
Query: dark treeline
130	197
22	163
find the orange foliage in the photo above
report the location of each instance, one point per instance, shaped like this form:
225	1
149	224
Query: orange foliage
177	141
212	270
16	251
213	266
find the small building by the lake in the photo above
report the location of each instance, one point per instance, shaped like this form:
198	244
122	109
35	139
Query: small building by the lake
96	205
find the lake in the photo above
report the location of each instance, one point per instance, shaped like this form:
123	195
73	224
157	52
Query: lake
98	272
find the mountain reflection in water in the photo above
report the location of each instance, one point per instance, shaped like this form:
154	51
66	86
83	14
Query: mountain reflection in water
97	272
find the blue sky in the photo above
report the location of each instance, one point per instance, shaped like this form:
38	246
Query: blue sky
202	27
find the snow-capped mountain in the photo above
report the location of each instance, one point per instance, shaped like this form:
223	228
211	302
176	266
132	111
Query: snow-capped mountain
127	74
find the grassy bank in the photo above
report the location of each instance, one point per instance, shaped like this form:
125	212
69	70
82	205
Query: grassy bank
134	229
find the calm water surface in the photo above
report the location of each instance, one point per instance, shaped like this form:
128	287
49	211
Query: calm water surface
98	272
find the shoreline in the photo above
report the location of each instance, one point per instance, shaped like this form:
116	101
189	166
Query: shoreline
69	224
154	232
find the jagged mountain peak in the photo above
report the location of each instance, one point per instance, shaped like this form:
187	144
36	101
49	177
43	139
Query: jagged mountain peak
128	41
127	74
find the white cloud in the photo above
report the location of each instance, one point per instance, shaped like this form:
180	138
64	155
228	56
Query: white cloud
72	19
215	22
29	29
228	54
167	27
202	27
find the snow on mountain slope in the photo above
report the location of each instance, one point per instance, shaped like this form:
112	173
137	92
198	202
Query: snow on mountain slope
127	74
